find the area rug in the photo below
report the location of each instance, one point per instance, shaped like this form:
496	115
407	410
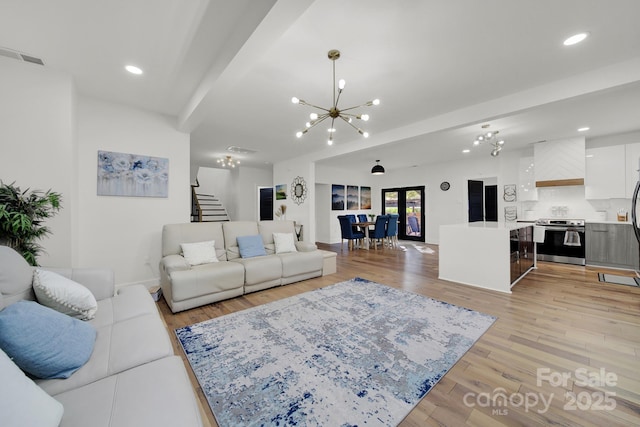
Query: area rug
618	280
356	353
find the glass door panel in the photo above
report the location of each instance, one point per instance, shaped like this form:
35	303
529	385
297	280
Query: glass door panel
413	214
409	203
390	202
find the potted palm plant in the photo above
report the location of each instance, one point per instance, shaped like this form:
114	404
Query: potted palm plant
22	215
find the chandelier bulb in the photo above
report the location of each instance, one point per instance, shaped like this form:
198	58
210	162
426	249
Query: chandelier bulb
308	124
364	117
331	130
299	134
295	100
341	84
376	101
313	116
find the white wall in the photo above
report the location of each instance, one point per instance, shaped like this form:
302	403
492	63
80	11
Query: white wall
37	142
236	188
328	226
447	207
124	233
249	180
304	213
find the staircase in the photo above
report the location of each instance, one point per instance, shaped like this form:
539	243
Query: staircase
206	208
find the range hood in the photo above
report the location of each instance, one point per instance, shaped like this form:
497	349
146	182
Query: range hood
560	162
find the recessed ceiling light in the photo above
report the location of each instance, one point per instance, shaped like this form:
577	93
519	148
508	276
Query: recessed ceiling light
466	150
133	69
576	38
584	129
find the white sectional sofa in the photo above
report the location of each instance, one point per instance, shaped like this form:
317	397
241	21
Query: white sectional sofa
185	286
132	377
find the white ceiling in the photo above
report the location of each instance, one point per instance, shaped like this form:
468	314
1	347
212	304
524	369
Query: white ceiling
227	70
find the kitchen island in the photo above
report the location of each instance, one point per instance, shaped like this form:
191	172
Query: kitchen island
491	255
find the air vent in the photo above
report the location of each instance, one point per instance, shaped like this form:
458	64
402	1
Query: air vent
32	59
13	54
240	150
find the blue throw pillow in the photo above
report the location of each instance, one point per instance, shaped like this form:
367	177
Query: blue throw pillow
43	342
251	246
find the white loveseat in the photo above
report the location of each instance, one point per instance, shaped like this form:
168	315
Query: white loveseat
185	286
132	377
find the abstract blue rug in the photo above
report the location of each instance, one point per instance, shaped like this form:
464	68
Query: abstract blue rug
352	354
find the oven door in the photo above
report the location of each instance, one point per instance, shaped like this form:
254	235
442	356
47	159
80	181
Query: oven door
563	244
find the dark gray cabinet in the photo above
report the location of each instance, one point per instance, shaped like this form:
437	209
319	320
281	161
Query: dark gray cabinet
521	241
611	245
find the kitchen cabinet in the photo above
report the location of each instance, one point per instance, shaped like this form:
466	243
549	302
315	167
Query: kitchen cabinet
611	245
527	180
605	173
632	154
521	259
485	250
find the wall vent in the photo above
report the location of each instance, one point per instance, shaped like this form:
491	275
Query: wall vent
240	150
14	54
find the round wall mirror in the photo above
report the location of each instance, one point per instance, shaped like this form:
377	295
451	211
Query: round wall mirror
298	190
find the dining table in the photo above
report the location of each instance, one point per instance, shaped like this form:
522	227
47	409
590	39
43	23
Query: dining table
365	226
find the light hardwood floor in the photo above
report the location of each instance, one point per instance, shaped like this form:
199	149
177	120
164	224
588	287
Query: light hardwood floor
559	319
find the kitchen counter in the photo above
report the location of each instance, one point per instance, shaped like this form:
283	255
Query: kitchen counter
491	225
479	254
599	221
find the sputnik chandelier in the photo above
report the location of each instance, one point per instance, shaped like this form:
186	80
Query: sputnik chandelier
490	137
334	112
228	162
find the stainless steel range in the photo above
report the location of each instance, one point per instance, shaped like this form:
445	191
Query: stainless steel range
564	240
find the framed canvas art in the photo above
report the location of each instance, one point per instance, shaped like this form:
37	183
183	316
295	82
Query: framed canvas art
337	197
353	199
281	192
365	197
132	175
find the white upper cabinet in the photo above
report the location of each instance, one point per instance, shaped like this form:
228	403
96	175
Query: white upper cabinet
605	173
632	154
526	180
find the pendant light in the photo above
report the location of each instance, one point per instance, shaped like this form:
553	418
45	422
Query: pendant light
333	112
377	169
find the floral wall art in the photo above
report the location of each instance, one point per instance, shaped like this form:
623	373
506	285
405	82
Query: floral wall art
121	174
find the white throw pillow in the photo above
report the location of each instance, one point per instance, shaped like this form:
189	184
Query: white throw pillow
22	402
64	295
284	243
200	252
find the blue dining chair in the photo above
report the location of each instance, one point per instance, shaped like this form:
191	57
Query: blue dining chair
362	217
392	230
346	229
380	230
414	226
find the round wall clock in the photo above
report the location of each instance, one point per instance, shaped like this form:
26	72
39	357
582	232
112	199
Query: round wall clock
444	186
298	190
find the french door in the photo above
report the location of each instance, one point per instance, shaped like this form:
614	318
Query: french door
408	202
